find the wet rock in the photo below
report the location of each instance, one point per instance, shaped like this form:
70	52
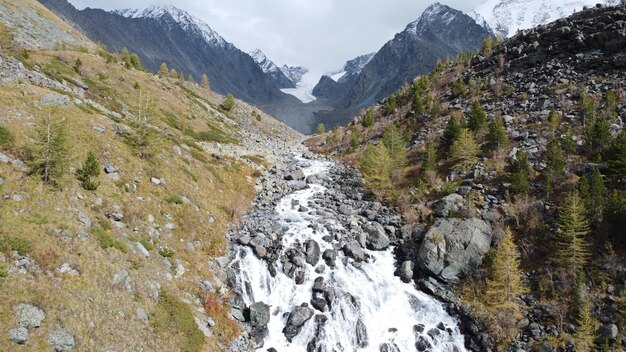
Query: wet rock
453	247
319	284
312	252
259	314
319	304
377	239
406	271
28	315
297	318
329	257
361	334
296	175
353	250
422	344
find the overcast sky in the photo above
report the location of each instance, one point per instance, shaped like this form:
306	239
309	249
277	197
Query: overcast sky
318	34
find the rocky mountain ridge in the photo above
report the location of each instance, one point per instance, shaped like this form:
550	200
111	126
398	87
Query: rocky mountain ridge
165	34
272	71
439	33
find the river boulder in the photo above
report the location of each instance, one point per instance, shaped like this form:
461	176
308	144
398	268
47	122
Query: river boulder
312	252
297	318
376	238
259	314
453	247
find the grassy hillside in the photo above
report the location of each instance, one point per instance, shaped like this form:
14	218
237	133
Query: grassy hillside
165	186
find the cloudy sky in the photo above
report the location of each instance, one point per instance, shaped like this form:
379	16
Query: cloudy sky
318	34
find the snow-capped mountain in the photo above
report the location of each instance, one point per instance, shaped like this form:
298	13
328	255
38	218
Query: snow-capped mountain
280	79
505	17
352	67
295	74
186	21
166	34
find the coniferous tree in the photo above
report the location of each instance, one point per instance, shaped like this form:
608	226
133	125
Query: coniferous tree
355	138
464	150
504	288
555	163
89	170
190	79
430	159
78	65
395	143
453	130
164	71
418	105
597	134
368	119
173	73
320	129
610	106
50	151
497	133
390	106
477	117
204	81
572	250
568	144
553	120
228	103
488	45
376	166
519	173
593	194
585	336
617	159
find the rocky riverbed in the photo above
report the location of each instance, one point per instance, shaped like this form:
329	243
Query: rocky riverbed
314	269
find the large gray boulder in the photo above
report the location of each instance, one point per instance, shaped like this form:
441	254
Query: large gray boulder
353	250
297	318
259	314
29	316
312	252
376	239
296	175
453	247
61	341
449	205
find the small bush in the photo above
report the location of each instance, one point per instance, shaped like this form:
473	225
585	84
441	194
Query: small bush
20	245
4	273
106	241
166	252
229	103
175	199
6	138
173	317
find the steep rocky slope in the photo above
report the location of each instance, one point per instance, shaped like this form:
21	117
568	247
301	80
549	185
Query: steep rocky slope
271	70
553	95
133	265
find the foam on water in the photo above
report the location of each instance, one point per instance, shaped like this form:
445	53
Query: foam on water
369	299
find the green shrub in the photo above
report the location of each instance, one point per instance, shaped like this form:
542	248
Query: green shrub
166	252
89	170
175	199
173	317
106	241
3	271
20	245
6	138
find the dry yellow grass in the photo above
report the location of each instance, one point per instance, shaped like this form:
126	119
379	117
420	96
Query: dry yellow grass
99	315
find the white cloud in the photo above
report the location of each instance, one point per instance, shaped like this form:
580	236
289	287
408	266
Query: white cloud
318	34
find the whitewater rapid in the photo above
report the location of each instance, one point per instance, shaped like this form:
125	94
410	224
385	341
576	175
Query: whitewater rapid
373	310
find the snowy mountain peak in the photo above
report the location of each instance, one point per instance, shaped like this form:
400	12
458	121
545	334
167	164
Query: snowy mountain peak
295	74
506	17
435	13
187	22
266	64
